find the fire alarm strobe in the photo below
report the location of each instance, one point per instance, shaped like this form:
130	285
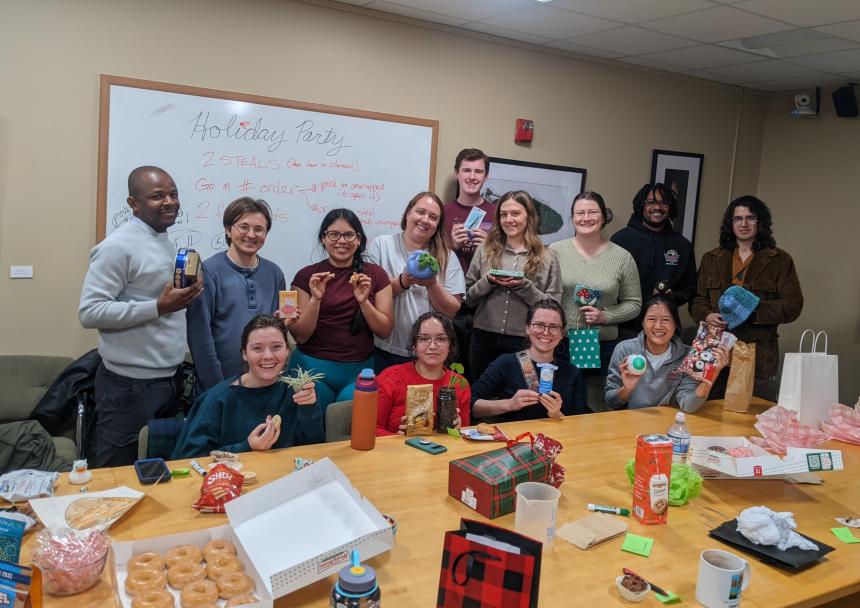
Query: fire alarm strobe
524	130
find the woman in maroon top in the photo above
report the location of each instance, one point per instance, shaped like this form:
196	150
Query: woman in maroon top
345	302
434	345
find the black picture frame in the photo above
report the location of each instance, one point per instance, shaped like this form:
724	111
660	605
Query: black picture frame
681	171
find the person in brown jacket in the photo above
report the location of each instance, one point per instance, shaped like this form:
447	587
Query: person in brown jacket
748	257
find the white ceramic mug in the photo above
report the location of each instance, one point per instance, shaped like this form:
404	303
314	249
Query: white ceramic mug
722	577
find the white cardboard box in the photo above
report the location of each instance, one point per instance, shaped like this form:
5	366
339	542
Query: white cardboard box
763	465
289	533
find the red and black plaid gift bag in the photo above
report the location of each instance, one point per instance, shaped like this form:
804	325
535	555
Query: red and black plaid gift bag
481	571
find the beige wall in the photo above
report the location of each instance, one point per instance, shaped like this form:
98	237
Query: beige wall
810	178
606	119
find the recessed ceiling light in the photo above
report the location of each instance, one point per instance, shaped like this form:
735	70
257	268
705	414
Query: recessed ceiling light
780	44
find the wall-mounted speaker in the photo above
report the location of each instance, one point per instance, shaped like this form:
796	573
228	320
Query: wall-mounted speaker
845	102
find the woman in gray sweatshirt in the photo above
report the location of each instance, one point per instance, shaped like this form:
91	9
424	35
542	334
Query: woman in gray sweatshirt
662	383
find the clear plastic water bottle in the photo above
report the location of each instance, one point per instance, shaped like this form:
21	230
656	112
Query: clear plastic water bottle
680	438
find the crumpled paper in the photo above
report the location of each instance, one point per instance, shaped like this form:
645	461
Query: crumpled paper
685	483
762	526
781	430
843	423
24	484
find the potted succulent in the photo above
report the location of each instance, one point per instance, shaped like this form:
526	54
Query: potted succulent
422	265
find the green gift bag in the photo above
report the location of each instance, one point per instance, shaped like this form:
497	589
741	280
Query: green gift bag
584	346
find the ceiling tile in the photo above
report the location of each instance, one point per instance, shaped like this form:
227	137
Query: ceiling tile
654	65
761	86
715	24
854	75
583	50
789	43
849	29
502	32
355	2
397	9
551	22
704	74
631	40
472	10
769	69
804	12
702	57
840	61
632	12
804	84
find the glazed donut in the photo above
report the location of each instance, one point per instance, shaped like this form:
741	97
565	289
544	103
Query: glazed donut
198	594
183	553
241	600
144	580
233	584
148	561
153	599
214	547
222	564
182	574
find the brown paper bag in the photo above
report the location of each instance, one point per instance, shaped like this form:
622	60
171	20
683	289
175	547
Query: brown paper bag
591	530
739	388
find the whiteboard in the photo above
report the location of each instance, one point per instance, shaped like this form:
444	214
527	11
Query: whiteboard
303	159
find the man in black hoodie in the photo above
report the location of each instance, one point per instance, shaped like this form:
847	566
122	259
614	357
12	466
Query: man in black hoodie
665	258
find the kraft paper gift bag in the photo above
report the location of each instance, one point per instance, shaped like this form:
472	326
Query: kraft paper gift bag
739	389
810	381
591	530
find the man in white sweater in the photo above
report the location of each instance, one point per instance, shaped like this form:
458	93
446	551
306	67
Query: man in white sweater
128	295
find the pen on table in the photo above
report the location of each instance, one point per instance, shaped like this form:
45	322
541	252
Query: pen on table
614	510
654	587
196	466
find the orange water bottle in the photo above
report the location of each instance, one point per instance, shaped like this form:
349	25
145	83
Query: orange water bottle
364	403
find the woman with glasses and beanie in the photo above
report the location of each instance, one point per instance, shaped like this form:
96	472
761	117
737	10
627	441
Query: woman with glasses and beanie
600	284
345	302
510	387
238	284
433	342
423	225
502	302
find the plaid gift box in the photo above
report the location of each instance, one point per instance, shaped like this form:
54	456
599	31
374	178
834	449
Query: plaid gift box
486	482
484	570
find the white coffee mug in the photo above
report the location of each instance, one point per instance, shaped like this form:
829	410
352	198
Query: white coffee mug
722	577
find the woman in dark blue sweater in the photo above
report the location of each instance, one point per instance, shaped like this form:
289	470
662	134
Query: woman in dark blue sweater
254	411
508	390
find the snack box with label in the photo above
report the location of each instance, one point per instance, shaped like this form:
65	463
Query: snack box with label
289	533
651	479
739	458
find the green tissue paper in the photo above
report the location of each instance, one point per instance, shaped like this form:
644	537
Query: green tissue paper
684	484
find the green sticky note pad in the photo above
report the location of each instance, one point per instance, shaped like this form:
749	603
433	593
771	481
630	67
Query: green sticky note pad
667	599
845	535
640	545
454	432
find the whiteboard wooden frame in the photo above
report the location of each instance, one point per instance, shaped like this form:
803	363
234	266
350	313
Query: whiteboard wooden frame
107	81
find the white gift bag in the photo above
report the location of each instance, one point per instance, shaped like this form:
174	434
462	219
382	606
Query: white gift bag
810	381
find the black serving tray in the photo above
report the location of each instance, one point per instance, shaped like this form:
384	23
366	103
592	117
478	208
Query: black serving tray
793	558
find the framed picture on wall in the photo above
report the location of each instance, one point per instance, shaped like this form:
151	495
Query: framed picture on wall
682	172
551	186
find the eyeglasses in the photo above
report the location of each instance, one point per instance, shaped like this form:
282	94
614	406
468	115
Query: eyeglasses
589	213
653	202
539	328
334	236
749	219
437	340
245	229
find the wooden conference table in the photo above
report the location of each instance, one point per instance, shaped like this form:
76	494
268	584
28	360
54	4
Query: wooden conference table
412	486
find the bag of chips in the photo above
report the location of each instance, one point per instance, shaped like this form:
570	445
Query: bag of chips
221	485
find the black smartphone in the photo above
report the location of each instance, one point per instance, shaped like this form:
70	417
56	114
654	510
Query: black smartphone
151	470
425	445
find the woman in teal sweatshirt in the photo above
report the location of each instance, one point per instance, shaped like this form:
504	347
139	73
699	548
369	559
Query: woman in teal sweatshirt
253	411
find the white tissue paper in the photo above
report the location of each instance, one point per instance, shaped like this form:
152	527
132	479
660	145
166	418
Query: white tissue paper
762	526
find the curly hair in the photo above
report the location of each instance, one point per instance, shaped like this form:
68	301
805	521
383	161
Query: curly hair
666	193
496	239
763	238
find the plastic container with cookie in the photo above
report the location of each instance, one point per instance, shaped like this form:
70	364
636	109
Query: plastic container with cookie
254	559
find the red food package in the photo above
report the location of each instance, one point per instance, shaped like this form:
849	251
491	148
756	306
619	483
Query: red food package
552	448
700	362
221	485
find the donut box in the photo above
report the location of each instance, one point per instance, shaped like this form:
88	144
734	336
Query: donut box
288	533
711	457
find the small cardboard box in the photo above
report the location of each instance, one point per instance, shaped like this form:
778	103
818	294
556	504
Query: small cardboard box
651	479
486	482
713	464
288	533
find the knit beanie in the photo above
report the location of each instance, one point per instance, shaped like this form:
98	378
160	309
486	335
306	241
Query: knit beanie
737	304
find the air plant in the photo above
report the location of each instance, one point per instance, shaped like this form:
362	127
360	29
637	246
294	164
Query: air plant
301	378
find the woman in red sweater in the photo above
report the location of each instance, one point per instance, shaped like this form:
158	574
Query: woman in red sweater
434	345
